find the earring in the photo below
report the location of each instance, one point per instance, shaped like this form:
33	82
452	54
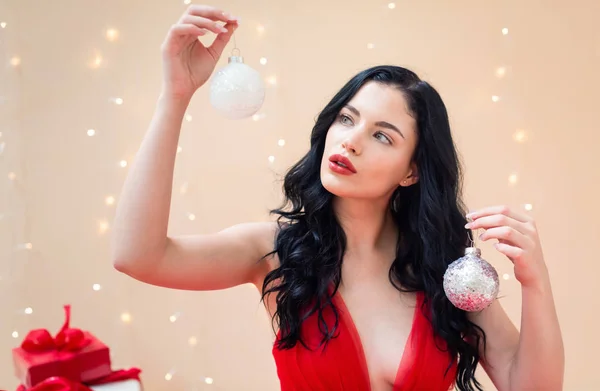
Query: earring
405	182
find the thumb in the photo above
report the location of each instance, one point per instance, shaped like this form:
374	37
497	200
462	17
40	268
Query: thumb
222	40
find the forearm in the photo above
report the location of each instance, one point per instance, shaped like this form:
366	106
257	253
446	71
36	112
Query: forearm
140	225
539	360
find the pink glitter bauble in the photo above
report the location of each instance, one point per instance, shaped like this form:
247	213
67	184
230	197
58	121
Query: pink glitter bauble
470	282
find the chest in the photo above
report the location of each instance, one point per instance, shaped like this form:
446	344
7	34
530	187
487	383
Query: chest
382	318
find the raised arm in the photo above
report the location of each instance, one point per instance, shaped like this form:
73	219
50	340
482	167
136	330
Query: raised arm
140	245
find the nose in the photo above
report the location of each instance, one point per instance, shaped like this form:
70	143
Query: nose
352	144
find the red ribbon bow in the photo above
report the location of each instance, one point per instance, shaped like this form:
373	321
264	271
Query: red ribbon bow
67	339
56	384
62	384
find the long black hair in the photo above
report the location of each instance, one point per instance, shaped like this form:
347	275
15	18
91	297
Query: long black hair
430	217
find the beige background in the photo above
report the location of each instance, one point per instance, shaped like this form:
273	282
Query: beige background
61	76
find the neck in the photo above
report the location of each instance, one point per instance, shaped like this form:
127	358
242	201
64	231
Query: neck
368	225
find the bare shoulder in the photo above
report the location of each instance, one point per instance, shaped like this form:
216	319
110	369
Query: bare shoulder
259	239
256	236
265	234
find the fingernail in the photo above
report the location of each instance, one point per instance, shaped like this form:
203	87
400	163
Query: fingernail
223	29
229	16
468	226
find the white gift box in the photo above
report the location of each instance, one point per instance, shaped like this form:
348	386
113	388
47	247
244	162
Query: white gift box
126	385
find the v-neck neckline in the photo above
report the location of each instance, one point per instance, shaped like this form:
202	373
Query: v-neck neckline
356	337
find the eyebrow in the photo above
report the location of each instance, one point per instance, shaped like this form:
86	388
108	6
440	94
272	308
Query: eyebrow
382	124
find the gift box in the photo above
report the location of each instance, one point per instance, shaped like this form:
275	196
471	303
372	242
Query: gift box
72	354
127	385
123	380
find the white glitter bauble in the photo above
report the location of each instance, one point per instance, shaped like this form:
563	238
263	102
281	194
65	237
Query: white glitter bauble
470	282
237	91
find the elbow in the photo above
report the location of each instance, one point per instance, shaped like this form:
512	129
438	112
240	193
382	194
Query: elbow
547	375
123	266
121	259
541	385
128	262
131	269
547	380
131	256
135	262
139	269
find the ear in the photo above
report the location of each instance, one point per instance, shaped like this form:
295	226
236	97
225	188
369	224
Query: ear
412	177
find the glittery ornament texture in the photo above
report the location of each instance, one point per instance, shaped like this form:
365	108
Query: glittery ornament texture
470	282
237	91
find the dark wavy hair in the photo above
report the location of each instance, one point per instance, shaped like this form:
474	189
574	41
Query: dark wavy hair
430	217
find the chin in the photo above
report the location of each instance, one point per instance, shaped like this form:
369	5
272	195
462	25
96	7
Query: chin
336	185
353	187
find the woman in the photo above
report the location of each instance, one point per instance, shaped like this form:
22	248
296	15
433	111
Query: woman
380	190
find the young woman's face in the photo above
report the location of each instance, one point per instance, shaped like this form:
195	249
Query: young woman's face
378	137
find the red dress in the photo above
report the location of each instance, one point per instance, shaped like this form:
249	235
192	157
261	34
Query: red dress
342	366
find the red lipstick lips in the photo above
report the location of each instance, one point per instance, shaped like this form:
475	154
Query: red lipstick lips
341	165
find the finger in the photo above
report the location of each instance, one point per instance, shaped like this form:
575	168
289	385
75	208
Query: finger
187	29
499	220
515	254
501	209
205	23
507	235
221	41
212	13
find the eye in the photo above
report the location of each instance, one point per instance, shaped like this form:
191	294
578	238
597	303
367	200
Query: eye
382	137
344	119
